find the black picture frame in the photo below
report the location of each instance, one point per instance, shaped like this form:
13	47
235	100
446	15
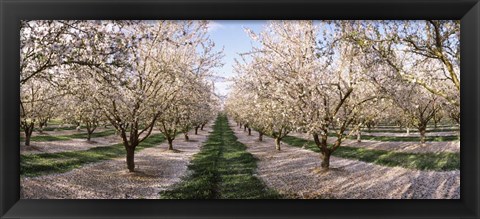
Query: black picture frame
12	11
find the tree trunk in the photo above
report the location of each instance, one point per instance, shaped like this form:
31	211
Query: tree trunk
244	128
28	129
359	136
89	135
249	131
131	159
260	136
27	139
201	127
408	131
325	160
277	143
186	136
422	135
170	144
196	130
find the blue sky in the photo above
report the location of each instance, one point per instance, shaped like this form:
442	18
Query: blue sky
230	35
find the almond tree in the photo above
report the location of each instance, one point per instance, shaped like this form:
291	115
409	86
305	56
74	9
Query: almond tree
164	52
417	104
320	73
205	107
191	107
265	115
81	106
42	44
426	53
371	115
38	101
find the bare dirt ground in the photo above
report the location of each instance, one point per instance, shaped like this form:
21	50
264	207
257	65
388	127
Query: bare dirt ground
38	147
156	169
296	173
413	147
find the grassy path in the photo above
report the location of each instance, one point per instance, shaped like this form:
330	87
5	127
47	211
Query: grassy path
443	161
407	138
69	137
403	138
47	163
223	169
55	128
411	130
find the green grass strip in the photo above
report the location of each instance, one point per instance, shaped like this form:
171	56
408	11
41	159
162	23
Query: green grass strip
411	130
47	163
408	138
69	137
223	169
443	161
55	128
403	138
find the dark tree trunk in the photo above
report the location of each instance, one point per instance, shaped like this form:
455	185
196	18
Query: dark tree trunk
186	136
244	128
249	131
326	152
42	124
131	158
196	130
170	144
201	127
422	131
260	136
277	143
325	160
91	126
78	126
28	130
27	139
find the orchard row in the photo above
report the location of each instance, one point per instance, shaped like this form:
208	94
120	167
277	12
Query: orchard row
332	78
132	75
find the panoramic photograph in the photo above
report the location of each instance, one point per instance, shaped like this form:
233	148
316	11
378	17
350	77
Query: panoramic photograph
239	109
